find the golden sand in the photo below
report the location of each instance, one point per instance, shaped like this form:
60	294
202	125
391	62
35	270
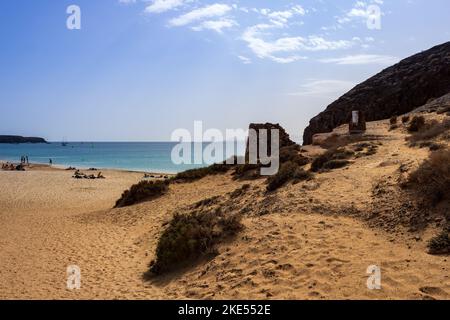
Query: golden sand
49	221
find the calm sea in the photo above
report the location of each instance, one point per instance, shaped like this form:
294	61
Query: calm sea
135	156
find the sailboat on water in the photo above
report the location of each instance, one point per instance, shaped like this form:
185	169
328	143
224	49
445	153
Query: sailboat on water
64	142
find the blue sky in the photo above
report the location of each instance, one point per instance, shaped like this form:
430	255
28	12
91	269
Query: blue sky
137	70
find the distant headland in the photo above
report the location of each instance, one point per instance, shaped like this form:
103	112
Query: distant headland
20	139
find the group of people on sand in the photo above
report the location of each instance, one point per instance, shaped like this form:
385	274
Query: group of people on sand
19	167
79	175
12	166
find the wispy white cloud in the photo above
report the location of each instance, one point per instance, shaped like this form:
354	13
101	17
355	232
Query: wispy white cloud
363	59
322	88
127	1
281	18
245	60
287	45
214	10
272	36
216	25
159	6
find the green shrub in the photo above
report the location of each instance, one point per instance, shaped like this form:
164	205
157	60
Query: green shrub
191	236
416	124
144	190
197	174
440	244
288	171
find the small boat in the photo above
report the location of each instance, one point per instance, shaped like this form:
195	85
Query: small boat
64	143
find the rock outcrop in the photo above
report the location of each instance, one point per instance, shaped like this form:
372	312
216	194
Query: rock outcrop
394	91
20	139
285	140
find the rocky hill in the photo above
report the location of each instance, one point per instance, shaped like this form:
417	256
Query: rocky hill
20	139
396	90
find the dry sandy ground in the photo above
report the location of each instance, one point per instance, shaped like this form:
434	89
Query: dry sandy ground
49	221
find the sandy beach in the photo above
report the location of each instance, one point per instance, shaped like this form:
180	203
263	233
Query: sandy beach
294	246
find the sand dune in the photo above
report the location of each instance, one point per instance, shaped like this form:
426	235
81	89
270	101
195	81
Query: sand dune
297	248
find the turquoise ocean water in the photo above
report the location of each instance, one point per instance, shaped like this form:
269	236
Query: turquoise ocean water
135	156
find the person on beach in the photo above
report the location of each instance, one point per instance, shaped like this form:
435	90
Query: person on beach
50	161
27	160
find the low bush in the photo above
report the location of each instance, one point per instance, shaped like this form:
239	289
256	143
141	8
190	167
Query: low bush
247	171
430	130
292	154
433	146
191	236
365	150
321	162
197	174
432	178
361	146
288	171
405	119
416	124
206	202
335	164
440	244
142	191
239	191
393	127
393	120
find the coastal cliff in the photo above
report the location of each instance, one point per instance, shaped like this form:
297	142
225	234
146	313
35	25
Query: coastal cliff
20	139
394	91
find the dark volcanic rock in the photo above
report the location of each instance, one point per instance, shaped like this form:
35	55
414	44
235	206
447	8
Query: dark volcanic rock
19	139
394	91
